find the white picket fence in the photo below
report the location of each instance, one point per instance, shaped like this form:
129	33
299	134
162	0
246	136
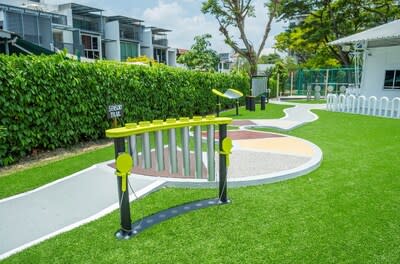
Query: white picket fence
363	105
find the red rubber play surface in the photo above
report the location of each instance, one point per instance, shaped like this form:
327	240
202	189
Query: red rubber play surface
244	134
242	123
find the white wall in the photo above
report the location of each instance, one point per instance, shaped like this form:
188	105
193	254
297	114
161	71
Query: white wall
67	12
171	57
146	48
378	60
113	50
147	38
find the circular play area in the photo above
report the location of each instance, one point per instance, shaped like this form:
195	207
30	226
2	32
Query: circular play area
257	157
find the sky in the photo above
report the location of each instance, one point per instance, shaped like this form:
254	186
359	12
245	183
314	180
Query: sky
185	19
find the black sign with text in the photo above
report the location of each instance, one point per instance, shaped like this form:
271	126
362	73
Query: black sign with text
115	111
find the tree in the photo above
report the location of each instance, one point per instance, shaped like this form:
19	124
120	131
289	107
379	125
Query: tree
232	14
315	23
200	56
269	59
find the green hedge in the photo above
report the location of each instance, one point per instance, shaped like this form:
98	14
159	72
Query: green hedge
49	102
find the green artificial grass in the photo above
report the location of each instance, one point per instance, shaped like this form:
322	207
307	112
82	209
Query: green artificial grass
347	211
32	178
305	101
272	111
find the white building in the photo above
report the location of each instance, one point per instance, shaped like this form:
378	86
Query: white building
83	30
380	47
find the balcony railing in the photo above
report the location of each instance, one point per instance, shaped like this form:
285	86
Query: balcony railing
131	35
160	41
87	25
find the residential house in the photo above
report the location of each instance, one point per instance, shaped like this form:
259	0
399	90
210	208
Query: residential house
155	45
84	31
380	51
123	37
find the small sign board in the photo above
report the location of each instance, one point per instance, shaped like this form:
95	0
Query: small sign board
115	111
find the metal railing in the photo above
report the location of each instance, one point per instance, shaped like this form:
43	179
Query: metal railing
383	106
160	41
93	26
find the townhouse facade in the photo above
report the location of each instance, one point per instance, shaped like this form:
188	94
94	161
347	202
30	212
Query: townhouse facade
84	31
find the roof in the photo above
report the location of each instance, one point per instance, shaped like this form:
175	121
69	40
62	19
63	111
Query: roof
380	36
125	20
79	9
156	30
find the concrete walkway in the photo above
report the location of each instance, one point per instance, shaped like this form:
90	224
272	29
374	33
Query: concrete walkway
294	116
32	217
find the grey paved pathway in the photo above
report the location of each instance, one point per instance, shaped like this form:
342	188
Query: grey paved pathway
295	116
34	216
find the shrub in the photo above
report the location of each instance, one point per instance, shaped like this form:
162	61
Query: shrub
49	102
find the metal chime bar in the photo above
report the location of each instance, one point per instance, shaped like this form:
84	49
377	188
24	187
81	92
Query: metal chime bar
146	148
172	147
211	152
158	136
185	148
198	153
132	146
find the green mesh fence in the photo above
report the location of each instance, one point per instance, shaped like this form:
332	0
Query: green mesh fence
336	78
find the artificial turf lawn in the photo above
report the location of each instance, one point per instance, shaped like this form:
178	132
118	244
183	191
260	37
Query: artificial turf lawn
305	101
347	211
272	111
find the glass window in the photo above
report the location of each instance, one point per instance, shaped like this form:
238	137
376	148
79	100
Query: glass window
128	50
86	42
397	80
392	80
95	43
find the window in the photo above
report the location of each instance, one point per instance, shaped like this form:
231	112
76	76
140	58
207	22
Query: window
128	50
91	46
392	80
160	55
87	42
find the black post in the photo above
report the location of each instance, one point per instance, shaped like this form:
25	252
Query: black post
223	185
252	103
247	103
123	197
262	102
237	106
218	105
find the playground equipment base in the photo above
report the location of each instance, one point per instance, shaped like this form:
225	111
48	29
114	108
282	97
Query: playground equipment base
148	221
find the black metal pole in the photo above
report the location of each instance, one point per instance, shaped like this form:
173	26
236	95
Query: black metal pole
222	165
237	106
123	197
262	97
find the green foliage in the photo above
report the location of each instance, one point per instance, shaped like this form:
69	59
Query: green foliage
269	59
200	56
320	22
50	102
282	68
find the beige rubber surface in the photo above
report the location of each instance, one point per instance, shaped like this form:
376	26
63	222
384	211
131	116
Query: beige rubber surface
281	145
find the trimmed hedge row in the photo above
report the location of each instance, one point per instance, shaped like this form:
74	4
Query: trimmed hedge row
48	101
